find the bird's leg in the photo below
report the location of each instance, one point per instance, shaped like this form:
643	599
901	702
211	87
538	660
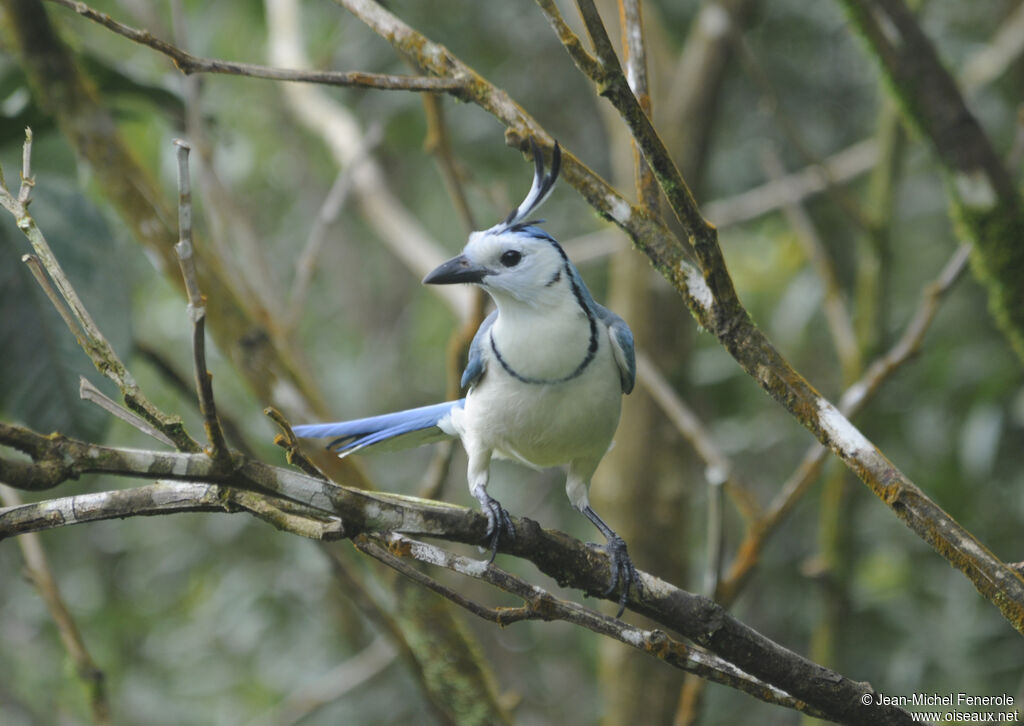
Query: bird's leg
499	523
622	567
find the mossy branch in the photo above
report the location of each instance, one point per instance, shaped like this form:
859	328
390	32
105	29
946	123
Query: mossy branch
984	201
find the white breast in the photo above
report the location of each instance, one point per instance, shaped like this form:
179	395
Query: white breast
547	424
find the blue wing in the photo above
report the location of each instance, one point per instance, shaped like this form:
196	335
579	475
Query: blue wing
476	364
623	347
388	432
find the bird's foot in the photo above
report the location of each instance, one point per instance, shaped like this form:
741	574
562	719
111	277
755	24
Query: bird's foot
623	571
499	524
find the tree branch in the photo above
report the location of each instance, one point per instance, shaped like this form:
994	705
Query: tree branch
189	64
542	605
852	402
165	497
350	512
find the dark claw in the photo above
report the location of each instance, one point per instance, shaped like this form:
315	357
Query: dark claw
622	571
499	524
618	558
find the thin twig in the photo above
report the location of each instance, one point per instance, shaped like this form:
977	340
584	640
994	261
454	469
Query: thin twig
27	180
88	392
188	63
186	389
385	551
715	538
197	312
635	58
232	243
36	268
290	443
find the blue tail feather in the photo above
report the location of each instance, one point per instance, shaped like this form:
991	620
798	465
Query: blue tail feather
387	432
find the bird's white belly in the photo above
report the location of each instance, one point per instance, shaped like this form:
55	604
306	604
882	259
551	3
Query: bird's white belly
546	424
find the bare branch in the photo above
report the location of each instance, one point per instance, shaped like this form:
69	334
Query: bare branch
36	268
161	498
88	392
197	312
542	605
188	63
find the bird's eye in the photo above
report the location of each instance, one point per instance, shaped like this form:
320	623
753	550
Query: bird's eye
511	258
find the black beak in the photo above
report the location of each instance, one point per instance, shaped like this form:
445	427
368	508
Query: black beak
458	269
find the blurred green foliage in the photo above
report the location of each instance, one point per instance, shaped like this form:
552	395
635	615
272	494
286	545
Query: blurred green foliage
215	619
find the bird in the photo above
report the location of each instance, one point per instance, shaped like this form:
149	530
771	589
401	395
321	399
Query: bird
545	376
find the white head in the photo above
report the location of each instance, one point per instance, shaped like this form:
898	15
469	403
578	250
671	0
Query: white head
514	260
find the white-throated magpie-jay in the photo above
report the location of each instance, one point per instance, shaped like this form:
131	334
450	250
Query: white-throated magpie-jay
546	373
